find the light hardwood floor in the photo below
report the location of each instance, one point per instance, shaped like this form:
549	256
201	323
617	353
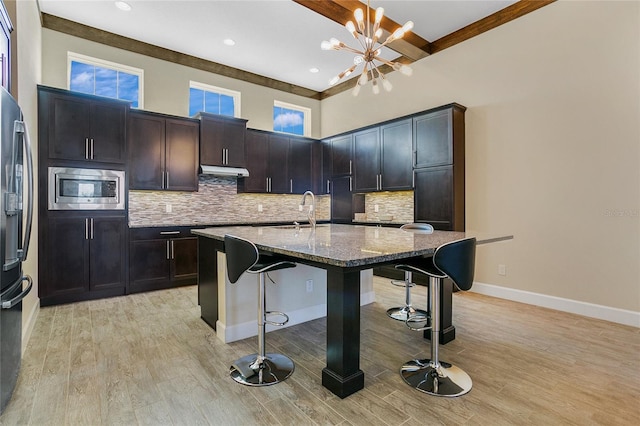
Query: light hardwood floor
148	359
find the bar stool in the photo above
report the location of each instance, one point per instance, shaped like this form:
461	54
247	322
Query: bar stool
401	313
455	260
259	369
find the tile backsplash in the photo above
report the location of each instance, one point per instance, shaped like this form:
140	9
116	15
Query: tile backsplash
396	206
217	202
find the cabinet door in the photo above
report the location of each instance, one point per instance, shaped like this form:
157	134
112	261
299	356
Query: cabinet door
396	142
234	135
341	200
278	164
146	136
184	253
69	128
366	160
433	133
67	257
433	197
107	252
341	155
300	165
222	141
326	168
149	265
108	133
182	155
257	144
211	142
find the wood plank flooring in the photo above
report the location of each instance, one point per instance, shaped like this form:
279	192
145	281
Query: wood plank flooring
148	359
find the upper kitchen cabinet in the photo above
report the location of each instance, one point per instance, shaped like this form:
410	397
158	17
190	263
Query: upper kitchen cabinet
438	133
222	140
301	165
382	157
82	127
278	164
341	155
163	152
325	176
257	147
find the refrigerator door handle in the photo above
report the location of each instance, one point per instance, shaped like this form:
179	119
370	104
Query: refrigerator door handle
22	129
8	304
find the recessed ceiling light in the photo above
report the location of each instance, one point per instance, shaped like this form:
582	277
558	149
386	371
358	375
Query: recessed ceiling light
229	42
123	6
314	70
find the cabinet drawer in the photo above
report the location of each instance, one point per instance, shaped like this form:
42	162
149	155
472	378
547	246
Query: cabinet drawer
154	233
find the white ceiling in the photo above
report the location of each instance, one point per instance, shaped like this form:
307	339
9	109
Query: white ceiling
279	39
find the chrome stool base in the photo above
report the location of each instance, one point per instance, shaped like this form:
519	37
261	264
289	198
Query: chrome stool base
274	369
445	380
401	313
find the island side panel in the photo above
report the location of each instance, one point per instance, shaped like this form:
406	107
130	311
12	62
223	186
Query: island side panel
342	375
208	279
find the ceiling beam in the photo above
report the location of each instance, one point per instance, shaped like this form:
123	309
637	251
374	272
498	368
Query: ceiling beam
411	46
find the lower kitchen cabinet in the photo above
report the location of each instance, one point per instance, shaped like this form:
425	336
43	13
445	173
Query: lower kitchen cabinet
85	258
162	258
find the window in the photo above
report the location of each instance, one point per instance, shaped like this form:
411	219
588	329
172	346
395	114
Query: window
294	119
104	78
214	100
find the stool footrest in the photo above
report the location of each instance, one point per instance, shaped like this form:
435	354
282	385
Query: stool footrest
279	324
399	283
419	318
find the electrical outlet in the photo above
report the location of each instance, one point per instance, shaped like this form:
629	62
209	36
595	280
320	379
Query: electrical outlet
168	208
502	269
376	208
309	286
299	207
260	208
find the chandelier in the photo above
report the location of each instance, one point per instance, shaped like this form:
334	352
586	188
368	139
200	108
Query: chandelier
368	38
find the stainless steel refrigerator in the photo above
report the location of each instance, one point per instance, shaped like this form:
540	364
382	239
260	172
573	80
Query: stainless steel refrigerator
14	238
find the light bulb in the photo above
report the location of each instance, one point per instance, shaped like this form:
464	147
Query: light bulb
357	60
387	85
379	14
376	88
363	79
334	80
408	26
406	70
352	29
399	33
359	15
325	45
379	33
356	90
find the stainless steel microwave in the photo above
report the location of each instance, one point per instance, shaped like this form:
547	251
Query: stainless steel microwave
85	189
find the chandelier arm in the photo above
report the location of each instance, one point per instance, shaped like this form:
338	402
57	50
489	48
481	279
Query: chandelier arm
350	49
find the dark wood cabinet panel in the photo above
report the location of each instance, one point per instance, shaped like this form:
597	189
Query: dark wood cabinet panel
257	148
163	152
341	200
181	152
325	179
222	140
146	137
434	198
84	255
162	258
366	160
396	144
341	155
300	165
84	128
435	135
278	164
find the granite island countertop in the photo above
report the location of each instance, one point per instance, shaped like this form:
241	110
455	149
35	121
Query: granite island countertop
343	246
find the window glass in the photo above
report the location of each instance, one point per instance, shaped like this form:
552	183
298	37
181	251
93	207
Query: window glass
214	100
103	78
291	119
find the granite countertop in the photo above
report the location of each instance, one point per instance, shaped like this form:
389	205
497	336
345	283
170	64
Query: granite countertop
210	224
342	245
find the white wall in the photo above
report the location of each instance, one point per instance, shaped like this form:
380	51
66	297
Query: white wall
552	145
166	85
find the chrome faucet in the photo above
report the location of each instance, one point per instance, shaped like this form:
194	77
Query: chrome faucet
312	208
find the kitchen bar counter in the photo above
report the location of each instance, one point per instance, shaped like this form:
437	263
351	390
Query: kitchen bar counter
343	251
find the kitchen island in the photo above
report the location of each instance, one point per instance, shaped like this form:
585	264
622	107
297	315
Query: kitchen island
343	251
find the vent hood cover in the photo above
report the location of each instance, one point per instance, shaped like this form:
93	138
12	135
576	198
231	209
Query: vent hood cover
224	171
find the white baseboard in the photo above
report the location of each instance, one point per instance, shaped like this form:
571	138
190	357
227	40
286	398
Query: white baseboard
27	328
620	316
248	329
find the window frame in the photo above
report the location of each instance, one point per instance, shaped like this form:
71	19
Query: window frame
139	72
306	112
219	90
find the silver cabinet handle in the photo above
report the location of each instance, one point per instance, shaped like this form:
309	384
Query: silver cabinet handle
173	252
169	232
267	184
91	148
413	180
167	180
168	254
86	228
350	166
86	148
328	189
91	229
162	186
350	184
291	186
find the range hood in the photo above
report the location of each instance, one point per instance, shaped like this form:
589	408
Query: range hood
224	171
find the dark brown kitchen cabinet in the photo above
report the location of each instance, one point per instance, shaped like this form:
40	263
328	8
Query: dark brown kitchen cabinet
267	162
163	152
325	178
439	181
341	155
83	127
85	258
222	140
162	258
278	162
382	157
301	165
